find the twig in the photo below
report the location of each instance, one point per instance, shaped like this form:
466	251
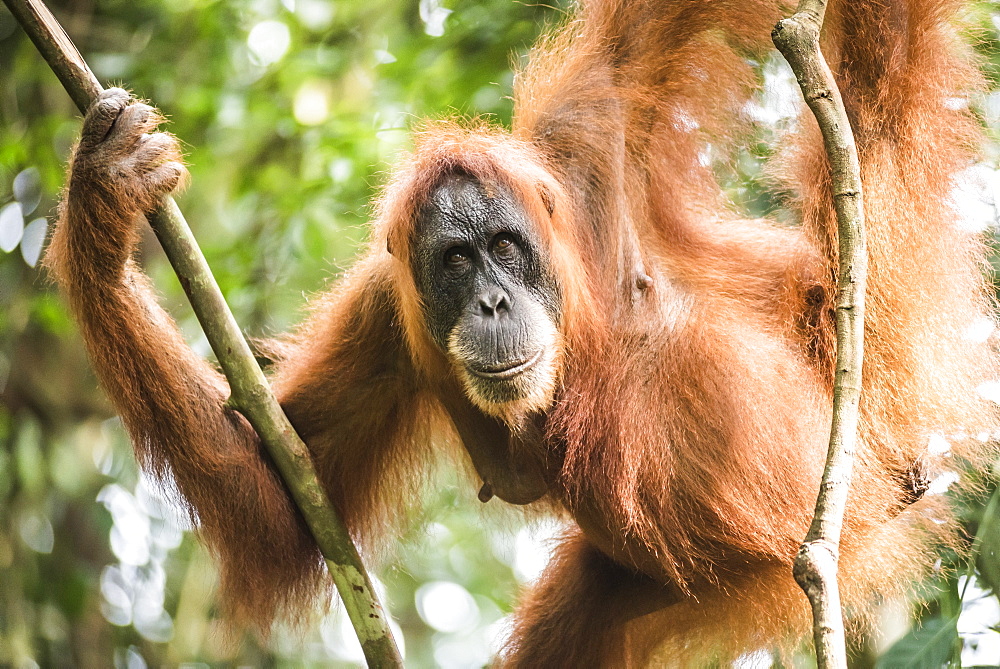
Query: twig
815	569
250	391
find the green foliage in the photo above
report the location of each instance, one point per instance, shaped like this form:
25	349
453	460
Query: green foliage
927	646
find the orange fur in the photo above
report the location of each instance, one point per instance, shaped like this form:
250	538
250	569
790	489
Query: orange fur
688	429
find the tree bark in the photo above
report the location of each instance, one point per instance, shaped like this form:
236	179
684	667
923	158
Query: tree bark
815	568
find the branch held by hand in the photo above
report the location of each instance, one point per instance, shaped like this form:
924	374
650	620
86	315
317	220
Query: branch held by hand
251	394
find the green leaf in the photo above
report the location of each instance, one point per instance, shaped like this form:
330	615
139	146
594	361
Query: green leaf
929	646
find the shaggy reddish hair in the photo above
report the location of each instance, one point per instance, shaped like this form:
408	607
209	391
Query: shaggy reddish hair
689	426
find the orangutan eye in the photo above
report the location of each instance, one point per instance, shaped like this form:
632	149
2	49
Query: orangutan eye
456	257
504	245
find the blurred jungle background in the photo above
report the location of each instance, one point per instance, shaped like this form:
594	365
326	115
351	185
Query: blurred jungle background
291	111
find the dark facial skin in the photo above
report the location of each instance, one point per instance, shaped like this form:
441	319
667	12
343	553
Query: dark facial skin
491	303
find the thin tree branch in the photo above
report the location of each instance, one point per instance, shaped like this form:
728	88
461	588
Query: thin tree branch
815	568
251	394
